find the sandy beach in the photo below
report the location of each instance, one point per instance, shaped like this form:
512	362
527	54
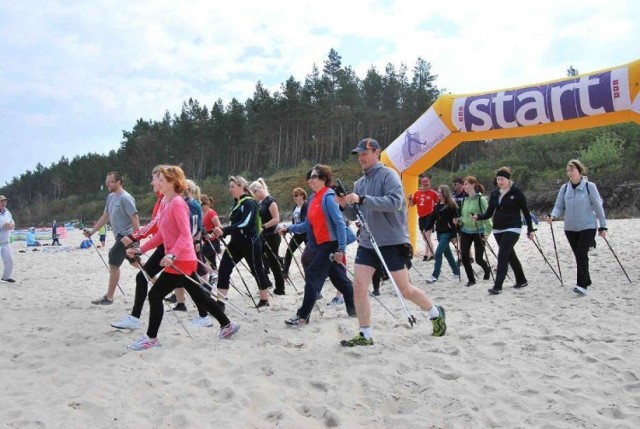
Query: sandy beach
535	357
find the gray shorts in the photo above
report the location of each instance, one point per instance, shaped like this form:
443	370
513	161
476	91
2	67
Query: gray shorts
118	253
394	256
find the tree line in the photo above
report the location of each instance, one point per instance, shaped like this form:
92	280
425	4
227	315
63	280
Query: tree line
317	120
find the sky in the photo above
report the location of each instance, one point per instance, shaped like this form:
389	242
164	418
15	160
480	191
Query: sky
75	74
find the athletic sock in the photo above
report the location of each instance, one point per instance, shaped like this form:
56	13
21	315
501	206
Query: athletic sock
434	312
366	332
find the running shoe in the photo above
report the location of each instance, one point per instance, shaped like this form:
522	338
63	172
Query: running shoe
581	291
337	300
226	332
103	300
172	299
202	322
263	303
9	280
520	285
129	322
180	307
456	277
144	343
439	323
358	340
432	279
297	321
495	291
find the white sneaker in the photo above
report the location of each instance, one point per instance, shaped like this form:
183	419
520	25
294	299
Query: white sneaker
456	277
144	343
432	279
129	322
202	322
580	290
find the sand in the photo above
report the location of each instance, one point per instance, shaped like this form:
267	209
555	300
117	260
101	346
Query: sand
536	357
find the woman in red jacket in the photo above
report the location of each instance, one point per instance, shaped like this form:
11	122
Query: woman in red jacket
174	233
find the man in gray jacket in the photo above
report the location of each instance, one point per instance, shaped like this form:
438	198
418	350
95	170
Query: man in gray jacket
379	196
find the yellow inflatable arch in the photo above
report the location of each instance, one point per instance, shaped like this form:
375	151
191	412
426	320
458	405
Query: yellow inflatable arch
588	100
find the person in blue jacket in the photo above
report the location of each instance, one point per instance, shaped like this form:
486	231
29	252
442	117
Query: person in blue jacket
327	240
581	204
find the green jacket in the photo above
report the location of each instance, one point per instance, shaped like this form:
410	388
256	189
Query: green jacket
474	205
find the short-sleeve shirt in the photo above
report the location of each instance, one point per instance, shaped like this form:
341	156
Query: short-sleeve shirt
425	201
120	207
207	220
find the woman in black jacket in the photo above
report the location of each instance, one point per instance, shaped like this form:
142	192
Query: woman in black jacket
443	216
245	240
505	205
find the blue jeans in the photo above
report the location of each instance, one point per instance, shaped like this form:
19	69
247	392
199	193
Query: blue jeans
443	248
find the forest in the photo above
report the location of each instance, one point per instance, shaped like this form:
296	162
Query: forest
281	134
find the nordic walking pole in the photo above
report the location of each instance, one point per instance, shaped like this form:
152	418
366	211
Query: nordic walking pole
218	293
494	255
410	317
486	255
150	280
279	264
105	263
226	249
364	224
616	256
293	256
370	294
546	260
454	240
555	249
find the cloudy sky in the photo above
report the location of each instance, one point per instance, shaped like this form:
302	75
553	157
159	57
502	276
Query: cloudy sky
74	74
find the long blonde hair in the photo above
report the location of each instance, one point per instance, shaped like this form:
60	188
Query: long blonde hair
448	198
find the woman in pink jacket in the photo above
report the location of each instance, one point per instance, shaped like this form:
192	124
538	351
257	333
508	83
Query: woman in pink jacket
174	233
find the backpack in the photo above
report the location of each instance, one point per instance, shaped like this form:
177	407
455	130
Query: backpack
258	219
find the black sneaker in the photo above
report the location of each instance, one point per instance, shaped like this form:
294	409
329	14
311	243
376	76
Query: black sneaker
279	291
520	285
180	307
425	258
470	283
263	303
487	274
495	291
376	292
172	299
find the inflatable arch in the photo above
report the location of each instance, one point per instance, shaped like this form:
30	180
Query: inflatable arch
588	100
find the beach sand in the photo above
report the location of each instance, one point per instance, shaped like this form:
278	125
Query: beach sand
535	357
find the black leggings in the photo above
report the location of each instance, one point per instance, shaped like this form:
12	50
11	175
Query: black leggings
210	250
243	248
465	247
295	242
507	257
270	247
165	284
580	242
151	267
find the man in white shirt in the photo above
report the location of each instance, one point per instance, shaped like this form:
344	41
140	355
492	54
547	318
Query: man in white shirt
6	226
